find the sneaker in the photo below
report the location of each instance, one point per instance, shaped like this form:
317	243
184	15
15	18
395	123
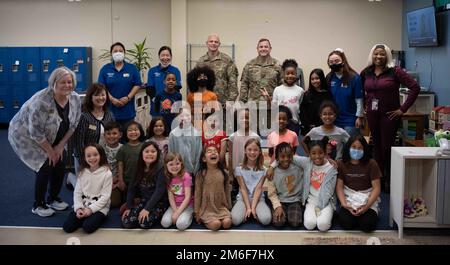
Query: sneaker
58	205
43	211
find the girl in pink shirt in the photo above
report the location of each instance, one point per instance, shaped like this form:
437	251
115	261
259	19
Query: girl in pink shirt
283	134
179	191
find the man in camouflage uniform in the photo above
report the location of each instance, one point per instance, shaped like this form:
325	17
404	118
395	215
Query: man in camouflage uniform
224	69
260	77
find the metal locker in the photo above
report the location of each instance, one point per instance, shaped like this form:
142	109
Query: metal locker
4	82
25	73
48	63
81	63
32	71
16	87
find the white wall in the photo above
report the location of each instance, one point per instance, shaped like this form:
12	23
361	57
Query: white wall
95	23
306	30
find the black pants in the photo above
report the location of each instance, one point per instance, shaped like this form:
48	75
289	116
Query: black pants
50	177
367	222
89	224
156	213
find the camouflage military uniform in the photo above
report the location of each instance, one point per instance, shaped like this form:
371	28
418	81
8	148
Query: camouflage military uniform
226	75
258	74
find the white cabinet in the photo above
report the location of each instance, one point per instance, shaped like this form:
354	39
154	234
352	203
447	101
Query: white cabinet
418	171
423	104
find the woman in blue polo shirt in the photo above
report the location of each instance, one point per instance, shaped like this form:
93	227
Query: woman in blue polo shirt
346	88
123	81
157	75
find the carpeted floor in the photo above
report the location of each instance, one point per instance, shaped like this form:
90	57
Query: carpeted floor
16	198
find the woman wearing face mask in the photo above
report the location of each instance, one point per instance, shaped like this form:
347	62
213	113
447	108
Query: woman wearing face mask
381	81
201	98
157	75
122	81
358	186
38	134
345	86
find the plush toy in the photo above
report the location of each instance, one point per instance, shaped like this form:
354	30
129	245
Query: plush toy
443	142
441	134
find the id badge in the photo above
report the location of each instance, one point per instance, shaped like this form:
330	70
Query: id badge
374	104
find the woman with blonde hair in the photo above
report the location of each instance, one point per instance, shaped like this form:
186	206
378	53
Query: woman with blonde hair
39	132
381	81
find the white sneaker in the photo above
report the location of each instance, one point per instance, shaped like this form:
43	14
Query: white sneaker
43	211
58	205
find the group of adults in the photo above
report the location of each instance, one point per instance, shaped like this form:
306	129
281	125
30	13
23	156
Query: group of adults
39	132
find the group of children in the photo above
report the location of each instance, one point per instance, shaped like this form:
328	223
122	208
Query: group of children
174	172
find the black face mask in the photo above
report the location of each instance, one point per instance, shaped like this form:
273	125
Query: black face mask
202	82
336	67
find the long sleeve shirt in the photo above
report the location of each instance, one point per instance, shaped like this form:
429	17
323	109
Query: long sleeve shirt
150	191
88	131
36	121
385	88
188	143
226	75
93	190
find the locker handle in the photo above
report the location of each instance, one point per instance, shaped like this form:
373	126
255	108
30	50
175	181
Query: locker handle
45	67
2	104
30	67
1	68
60	62
16	104
76	68
15	68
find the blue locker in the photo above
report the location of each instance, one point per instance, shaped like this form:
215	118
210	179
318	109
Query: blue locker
78	59
25	71
32	71
4	82
48	63
81	63
16	86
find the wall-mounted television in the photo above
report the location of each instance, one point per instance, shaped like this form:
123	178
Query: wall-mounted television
421	26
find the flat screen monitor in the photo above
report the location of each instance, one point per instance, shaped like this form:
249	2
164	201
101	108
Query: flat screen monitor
421	26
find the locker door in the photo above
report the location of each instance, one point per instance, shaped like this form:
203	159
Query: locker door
32	72
82	66
47	63
4	82
17	77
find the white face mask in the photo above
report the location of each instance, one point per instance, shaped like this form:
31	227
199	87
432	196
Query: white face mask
118	57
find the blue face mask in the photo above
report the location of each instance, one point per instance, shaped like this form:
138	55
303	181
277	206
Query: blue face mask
356	154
